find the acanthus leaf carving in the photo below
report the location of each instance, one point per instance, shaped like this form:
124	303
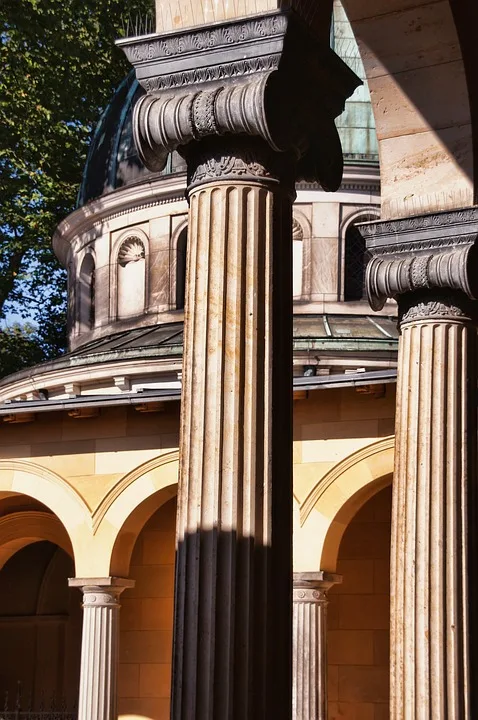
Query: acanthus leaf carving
447	306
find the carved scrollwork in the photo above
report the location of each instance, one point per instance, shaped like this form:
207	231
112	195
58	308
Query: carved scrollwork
241	159
227	166
429	263
310	595
450	220
437	306
164	123
391	278
223	71
202	38
242	77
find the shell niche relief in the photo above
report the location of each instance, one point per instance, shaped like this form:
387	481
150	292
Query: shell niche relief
131	250
297	259
131	284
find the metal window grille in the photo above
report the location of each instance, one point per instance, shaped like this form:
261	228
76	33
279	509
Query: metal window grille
354	264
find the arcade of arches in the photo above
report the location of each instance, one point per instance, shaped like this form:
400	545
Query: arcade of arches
62	510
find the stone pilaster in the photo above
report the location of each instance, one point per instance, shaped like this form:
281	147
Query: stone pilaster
98	697
309	656
217	95
429	264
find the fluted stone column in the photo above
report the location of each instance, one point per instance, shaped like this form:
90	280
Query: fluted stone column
217	95
233	581
434	523
309	656
98	697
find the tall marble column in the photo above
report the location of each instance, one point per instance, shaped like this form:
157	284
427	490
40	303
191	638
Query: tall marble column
309	656
430	265
98	697
218	94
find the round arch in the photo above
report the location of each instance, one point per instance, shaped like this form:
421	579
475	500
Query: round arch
335	499
178	255
20	477
18	530
352	252
123	513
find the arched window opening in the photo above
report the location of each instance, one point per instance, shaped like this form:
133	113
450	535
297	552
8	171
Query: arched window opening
131	277
297	259
181	251
354	259
87	294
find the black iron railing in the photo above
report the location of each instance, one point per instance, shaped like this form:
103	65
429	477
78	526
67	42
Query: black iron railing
20	708
37	715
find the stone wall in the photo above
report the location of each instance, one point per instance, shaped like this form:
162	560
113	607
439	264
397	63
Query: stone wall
147	622
358	617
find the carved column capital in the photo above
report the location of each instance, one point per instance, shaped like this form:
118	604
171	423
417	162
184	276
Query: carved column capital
101	592
428	263
312	587
236	78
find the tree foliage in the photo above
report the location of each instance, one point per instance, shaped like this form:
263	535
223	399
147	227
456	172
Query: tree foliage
59	67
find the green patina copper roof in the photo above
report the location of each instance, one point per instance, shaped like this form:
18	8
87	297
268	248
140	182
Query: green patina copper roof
337	333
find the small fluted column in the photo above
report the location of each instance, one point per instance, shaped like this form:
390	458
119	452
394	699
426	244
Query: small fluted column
98	697
434	569
309	632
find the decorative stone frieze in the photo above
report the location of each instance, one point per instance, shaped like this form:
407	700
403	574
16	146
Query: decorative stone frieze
98	698
309	632
429	264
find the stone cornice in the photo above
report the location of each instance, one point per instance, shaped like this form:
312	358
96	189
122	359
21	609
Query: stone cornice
38	377
426	254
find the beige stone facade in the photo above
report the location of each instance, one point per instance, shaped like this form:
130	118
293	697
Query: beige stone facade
103	489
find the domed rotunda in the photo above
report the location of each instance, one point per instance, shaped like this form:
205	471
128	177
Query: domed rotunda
125	252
